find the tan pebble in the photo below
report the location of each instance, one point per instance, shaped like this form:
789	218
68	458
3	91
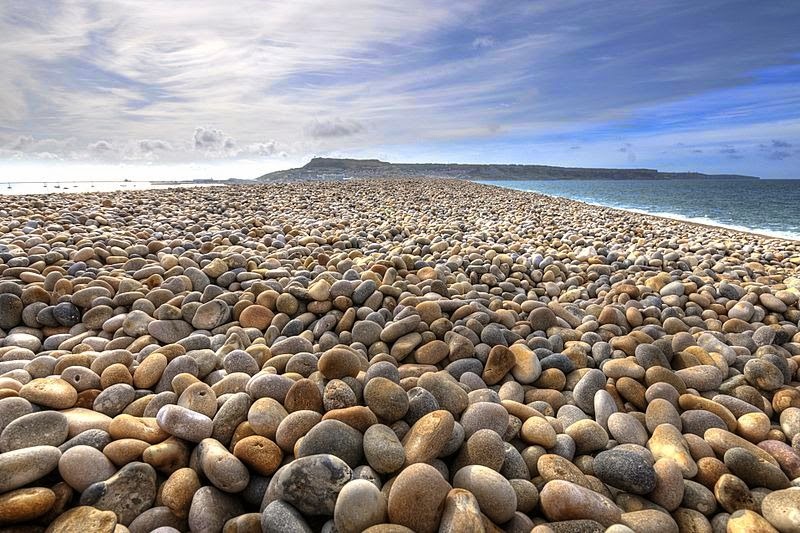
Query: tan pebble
124	451
747	521
83	519
25	504
178	490
125	426
50	392
428	436
149	370
259	453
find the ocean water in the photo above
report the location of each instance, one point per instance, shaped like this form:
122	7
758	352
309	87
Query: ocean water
769	207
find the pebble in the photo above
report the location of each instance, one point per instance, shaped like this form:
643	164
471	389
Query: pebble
20	467
80	466
625	470
496	497
360	504
180	359
416	498
562	500
311	484
128	493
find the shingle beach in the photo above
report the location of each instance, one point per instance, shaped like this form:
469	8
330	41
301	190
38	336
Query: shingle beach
391	356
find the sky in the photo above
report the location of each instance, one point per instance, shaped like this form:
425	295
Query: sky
202	88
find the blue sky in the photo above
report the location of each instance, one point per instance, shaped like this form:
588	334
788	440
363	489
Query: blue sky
199	88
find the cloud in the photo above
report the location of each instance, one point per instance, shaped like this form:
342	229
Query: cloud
148	146
211	140
408	71
484	41
335	127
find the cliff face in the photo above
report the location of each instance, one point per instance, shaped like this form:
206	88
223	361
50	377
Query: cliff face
330	168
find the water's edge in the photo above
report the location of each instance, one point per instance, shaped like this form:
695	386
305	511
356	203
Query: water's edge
702	220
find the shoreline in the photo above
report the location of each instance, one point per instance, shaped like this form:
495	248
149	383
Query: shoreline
779	235
672	217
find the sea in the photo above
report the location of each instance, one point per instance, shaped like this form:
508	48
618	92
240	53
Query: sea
769	207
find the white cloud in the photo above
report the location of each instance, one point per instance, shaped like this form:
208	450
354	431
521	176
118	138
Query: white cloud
335	127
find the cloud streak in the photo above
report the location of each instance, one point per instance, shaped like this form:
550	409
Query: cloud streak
119	80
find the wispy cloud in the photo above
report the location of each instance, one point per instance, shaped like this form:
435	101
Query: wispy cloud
120	80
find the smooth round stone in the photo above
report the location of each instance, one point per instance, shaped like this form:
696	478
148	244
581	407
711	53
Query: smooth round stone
292	427
763	375
20	467
80	466
337	363
626	429
366	332
259	454
782	509
625	470
12	408
527	367
335	438
589	436
584	391
160	517
427	438
702	378
169	331
697	422
223	469
83	519
360	505
386	399
416	498
754	472
650	520
383	450
312	484
266	385
211	315
562	500
128	493
746	521
178	490
732	494
211	508
51	392
484	415
420	403
669	488
552	467
542	319
113	400
45	428
184	423
461	512
790	422
496	497
667	442
501	360
661	411
786	456
537	430
484	447
280	517
149	370
25	504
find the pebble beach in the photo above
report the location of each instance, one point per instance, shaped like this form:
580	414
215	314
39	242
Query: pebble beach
391	356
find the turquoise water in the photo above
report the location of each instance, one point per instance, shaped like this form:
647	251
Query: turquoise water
770	207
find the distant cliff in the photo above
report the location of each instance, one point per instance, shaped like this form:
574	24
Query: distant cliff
329	168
